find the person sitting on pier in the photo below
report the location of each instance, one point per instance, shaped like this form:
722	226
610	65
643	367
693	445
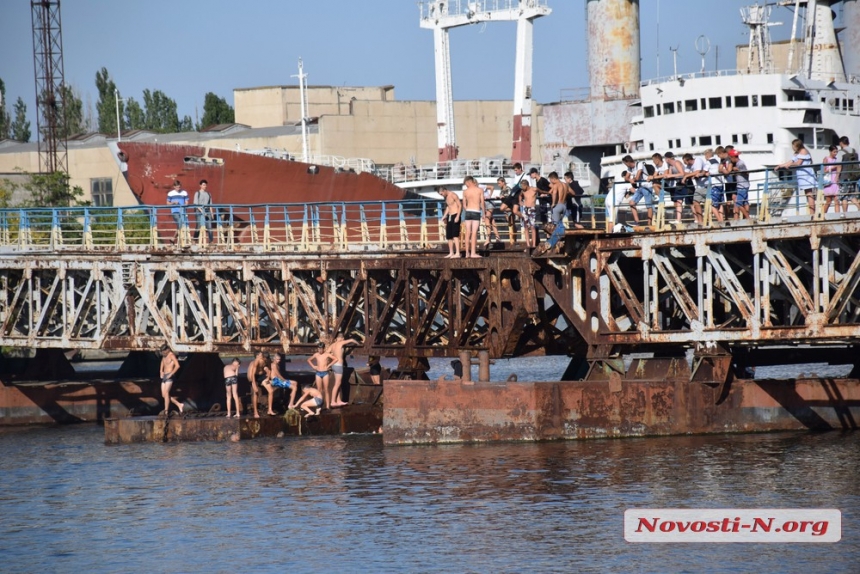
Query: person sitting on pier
528	207
231	382
451	217
169	366
314	404
473	204
337	368
375	369
637	177
278	381
320	362
257	372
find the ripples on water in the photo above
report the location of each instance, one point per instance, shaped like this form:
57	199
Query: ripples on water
347	504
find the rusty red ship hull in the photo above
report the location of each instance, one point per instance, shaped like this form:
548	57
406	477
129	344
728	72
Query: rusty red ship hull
236	177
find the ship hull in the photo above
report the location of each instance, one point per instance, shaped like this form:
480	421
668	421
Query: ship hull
242	178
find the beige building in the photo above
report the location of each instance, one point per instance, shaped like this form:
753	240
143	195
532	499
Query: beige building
360	122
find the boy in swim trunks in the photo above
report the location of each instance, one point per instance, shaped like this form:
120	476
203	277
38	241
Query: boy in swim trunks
337	367
451	217
315	401
320	363
375	368
279	382
473	203
169	366
528	205
231	382
256	371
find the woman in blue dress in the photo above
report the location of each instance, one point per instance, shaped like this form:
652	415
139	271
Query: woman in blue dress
806	181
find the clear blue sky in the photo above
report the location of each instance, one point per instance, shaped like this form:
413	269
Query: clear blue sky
189	47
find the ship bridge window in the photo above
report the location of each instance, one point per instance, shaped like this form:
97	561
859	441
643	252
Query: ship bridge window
691	105
812	117
768	100
798	96
742	102
649	111
669	108
745	138
755	101
678	142
734	138
715	103
719	140
670	144
728	101
769	138
705	140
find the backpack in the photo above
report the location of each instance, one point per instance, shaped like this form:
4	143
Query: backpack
850	172
649	169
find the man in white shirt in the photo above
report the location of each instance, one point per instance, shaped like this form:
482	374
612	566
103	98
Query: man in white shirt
178	198
636	175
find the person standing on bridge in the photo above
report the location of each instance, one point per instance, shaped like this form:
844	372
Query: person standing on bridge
320	362
178	198
231	382
257	370
451	217
203	211
473	204
167	372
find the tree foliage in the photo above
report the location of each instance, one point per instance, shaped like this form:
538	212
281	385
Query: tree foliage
52	190
20	128
216	111
135	119
187	124
160	112
5	119
107	104
73	109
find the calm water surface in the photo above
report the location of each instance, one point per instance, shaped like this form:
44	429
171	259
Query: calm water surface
347	504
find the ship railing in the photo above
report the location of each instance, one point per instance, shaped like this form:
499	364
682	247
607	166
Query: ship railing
775	195
478	168
691	76
356	164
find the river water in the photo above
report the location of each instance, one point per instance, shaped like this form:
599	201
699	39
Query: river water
347	504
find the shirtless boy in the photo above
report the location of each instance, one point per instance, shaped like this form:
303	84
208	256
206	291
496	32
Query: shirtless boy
473	203
315	401
336	349
257	372
169	366
320	363
528	204
451	217
278	381
231	382
375	368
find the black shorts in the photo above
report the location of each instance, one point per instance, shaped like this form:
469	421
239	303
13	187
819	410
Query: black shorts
472	215
452	227
375	369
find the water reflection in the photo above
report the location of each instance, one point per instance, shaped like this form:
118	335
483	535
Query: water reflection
347	503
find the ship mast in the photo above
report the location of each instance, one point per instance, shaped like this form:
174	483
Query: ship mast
757	18
442	15
303	110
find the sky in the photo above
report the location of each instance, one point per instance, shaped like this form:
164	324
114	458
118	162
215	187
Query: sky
189	47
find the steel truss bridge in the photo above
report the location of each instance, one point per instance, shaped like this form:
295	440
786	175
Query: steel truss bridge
727	293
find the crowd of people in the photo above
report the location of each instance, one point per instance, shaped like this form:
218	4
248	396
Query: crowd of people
266	372
532	201
721	176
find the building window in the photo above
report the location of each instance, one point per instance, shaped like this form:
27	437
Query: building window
769	138
691	105
742	102
705	140
102	191
715	103
649	111
669	108
768	101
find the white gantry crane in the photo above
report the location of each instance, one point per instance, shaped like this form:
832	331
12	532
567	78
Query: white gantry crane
442	15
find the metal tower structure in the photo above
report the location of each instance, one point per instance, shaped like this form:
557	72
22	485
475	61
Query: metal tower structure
442	15
759	56
50	79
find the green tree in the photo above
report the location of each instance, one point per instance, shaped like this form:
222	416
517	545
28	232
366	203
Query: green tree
20	128
106	106
5	120
52	190
160	112
216	111
134	116
74	112
187	124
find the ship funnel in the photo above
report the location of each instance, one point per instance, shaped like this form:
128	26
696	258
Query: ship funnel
851	37
824	62
613	48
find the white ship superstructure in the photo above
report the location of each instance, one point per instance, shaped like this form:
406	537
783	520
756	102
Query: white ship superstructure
796	89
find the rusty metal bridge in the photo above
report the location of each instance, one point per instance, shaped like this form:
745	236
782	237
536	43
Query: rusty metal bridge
84	278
